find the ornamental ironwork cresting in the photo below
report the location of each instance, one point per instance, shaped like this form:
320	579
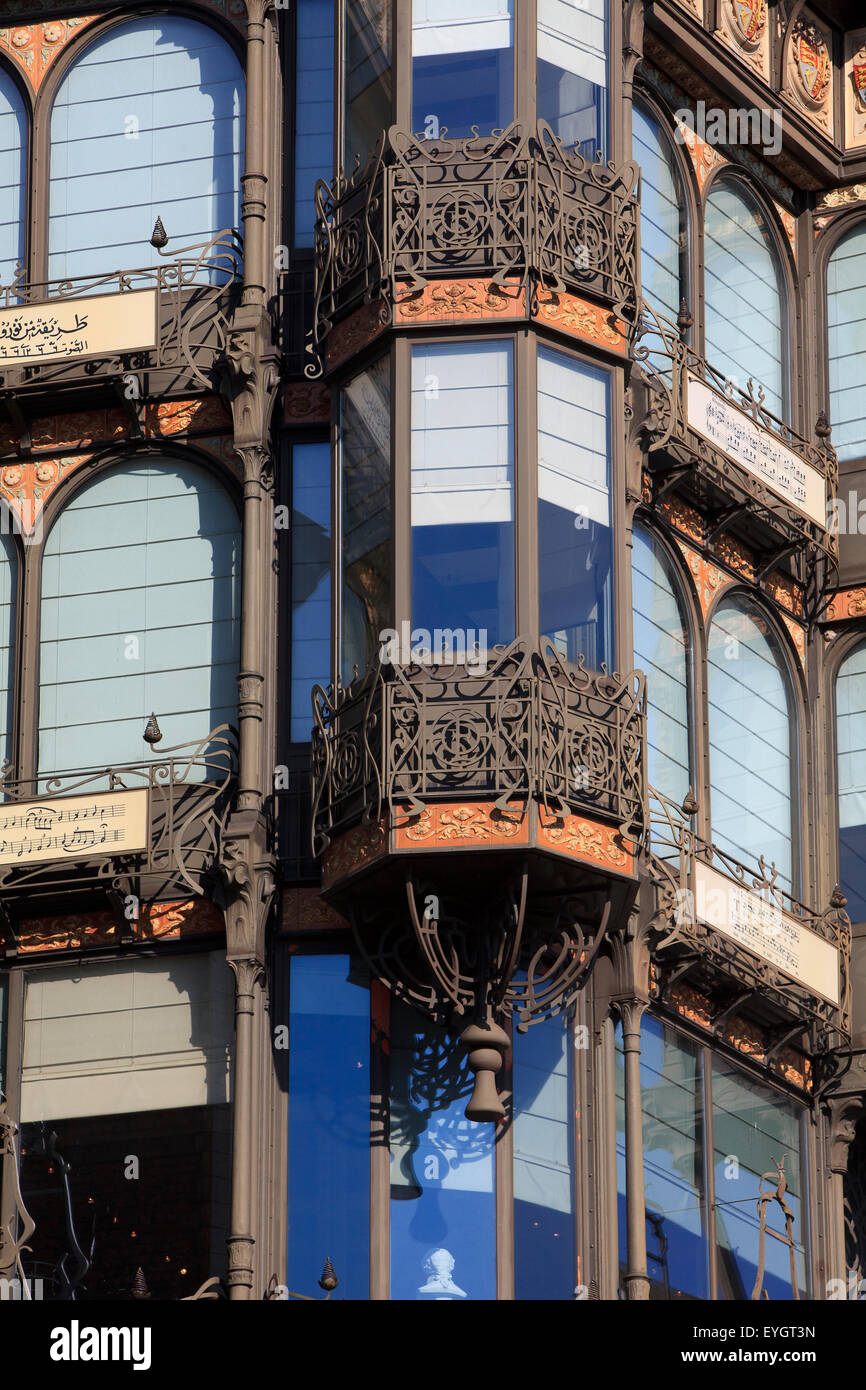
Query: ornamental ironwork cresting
517	207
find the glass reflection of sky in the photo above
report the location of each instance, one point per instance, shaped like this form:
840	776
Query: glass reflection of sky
329	1127
441	1170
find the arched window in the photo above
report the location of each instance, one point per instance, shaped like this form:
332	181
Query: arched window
663	217
147	123
851	770
13	149
140	615
745	311
750	740
661	651
846	315
8	615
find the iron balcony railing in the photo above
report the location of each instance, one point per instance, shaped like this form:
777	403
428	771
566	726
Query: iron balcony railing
197	288
190	788
675	852
670	368
530	725
515	206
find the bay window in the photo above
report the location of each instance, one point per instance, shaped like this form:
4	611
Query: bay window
662	650
846	311
367	76
13	179
851	780
365	505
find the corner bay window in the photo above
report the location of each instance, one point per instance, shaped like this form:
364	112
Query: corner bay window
702	1222
572	72
365	509
851	775
662	651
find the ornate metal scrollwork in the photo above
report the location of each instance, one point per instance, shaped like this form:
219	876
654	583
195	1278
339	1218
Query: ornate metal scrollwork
190	788
12	1244
197	288
517	207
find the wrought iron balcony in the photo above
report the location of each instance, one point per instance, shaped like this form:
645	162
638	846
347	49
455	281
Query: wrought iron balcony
718	441
529	728
785	961
64	333
72	833
514	206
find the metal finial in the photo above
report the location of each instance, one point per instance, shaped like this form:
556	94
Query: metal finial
684	317
838	899
329	1280
822	426
160	236
152	732
690	805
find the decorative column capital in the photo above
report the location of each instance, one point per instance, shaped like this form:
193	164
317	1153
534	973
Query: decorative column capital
249	888
844	1112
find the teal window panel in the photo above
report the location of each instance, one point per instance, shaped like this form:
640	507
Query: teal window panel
168	643
148	122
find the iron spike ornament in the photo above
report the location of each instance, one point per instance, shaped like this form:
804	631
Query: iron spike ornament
152	732
159	236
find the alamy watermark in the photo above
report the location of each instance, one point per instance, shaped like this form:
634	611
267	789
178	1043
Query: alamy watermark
760	126
463	646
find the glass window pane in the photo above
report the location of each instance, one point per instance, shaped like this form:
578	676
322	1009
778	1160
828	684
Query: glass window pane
367	78
846	331
544	1231
752	1129
314	110
575	543
851	764
13	150
365	433
672	1106
163	139
311	580
463	491
329	1126
744	304
750	741
140	613
572	72
462	66
443	1218
662	217
661	651
126	1059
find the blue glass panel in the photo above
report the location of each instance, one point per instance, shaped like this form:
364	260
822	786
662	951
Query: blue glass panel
13	152
140	613
462	66
573	73
750	741
575	544
661	651
148	122
314	110
662	208
329	1126
752	1128
544	1231
443	1231
311	580
846	332
672	1109
744	306
851	764
463	491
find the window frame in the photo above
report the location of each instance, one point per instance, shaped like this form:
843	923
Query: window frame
788	283
840	229
690	278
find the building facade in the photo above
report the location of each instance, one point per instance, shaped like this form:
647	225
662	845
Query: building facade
384	918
